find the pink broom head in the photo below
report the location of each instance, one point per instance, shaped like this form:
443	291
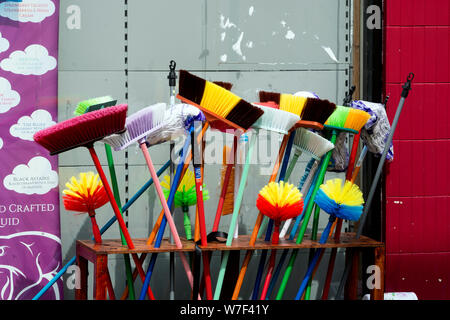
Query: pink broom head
83	130
85	194
280	201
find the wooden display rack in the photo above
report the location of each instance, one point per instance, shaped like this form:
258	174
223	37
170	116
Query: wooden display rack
88	251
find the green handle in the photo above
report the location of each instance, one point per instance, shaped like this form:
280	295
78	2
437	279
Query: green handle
315	229
308	212
237	207
115	187
187	223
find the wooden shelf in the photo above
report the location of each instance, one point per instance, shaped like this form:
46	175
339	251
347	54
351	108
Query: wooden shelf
114	246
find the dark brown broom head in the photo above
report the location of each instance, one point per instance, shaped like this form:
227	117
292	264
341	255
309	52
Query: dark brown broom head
317	110
266	96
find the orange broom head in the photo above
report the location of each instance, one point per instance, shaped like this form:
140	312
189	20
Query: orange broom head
280	201
217	102
84	194
228	204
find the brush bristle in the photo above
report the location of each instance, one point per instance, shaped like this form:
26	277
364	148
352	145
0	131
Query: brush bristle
265	96
138	126
84	105
356	119
186	194
338	117
317	110
269	104
228	204
82	130
276	120
225	85
291	103
312	143
191	87
244	114
343	201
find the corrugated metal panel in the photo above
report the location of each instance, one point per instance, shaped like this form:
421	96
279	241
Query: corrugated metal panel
417	187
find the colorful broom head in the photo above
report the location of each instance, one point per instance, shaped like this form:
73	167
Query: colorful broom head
83	130
280	201
312	143
186	194
342	201
94	104
216	102
347	119
85	194
287	102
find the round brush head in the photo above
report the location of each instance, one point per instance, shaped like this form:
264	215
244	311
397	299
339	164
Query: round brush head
276	120
138	126
83	130
312	143
343	201
84	194
280	201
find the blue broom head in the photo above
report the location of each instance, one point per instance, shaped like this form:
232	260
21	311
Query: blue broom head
342	200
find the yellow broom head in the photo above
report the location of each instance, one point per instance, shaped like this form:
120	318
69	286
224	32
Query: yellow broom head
341	200
84	194
228	204
280	201
291	103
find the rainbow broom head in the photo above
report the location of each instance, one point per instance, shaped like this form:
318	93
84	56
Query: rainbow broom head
83	130
341	201
186	195
218	103
279	201
85	195
94	104
347	119
313	112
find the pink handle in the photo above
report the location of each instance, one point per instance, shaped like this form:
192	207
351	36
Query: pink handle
161	196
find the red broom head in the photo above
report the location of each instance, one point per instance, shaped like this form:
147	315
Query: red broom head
85	194
83	130
280	201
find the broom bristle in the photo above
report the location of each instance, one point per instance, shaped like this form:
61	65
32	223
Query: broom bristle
82	130
228	204
338	117
218	101
265	96
291	103
312	143
138	126
225	85
269	104
83	106
276	120
317	110
356	119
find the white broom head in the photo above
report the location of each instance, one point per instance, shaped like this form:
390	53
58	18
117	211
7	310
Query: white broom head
312	143
276	120
138	126
177	120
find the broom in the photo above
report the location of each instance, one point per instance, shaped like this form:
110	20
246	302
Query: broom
85	130
272	120
342	120
278	201
339	201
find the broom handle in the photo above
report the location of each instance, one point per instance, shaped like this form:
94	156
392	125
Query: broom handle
249	253
226	180
102	230
404	95
126	257
234	217
160	192
116	209
95	230
307	215
187	222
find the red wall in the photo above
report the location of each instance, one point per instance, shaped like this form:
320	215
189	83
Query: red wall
417	36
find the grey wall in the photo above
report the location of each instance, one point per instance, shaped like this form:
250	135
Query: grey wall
123	49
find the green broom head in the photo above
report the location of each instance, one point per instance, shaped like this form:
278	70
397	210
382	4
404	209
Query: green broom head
186	194
347	119
343	201
101	102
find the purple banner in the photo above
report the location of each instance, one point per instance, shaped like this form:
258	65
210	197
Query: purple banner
30	245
